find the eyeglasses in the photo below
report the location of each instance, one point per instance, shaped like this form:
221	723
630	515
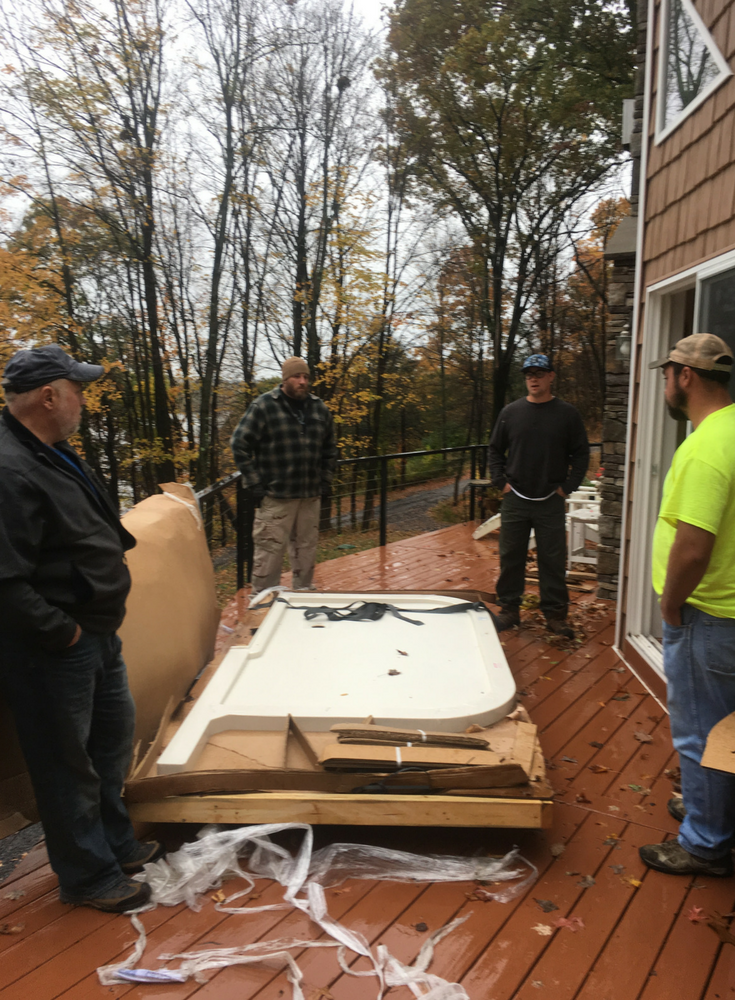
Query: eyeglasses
536	372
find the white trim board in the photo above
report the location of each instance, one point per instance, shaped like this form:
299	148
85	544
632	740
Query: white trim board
663	131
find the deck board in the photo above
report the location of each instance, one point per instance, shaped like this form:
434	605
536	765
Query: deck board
637	942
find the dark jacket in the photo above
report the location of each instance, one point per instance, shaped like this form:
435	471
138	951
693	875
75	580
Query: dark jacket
61	543
281	455
538	446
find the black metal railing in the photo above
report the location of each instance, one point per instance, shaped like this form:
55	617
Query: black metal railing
361	484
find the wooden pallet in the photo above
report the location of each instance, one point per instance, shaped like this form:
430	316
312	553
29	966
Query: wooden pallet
349	810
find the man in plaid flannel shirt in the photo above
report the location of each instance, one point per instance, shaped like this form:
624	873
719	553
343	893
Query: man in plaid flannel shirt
285	449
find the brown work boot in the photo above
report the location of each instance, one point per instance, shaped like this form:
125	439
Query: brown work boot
146	853
123	897
671	858
508	618
676	808
560	626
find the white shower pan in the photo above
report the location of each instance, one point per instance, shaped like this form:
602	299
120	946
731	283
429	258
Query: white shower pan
444	674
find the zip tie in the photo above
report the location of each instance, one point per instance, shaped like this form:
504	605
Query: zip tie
423	735
398	756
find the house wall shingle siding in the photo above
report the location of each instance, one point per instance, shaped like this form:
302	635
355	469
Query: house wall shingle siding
690	196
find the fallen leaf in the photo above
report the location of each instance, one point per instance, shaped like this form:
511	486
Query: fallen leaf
634	788
546	905
219	896
611	841
586	882
573	923
581	797
393	673
17	928
635	882
617	869
619	670
614	809
596	745
557	849
545	930
696	914
574	873
599	768
320	993
538	983
570	760
474	728
621	697
422	927
403	652
642	737
342	892
16	894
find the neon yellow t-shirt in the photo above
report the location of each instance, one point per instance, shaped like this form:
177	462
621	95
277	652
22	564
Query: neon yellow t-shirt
700	489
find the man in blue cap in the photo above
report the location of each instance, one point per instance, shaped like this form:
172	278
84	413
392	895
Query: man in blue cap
63	586
538	455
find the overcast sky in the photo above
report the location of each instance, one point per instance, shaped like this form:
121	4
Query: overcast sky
370	11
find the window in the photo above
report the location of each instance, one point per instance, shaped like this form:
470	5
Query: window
691	66
717	310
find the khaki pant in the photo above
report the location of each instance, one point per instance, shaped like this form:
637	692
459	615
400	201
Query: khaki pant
282	523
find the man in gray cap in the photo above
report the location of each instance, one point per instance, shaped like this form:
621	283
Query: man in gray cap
693	560
284	447
63	586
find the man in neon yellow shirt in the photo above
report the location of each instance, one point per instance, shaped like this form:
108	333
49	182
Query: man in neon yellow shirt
694	574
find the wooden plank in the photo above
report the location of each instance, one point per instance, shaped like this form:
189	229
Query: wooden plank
358	810
340	756
685	964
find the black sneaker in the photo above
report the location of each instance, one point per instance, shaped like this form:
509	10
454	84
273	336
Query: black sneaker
671	858
123	897
676	808
508	618
560	626
146	854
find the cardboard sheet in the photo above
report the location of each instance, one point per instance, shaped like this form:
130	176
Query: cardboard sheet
172	616
720	750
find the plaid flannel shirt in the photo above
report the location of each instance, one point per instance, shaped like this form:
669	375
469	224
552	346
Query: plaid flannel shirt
279	455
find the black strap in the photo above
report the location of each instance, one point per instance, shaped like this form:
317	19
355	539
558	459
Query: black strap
372	611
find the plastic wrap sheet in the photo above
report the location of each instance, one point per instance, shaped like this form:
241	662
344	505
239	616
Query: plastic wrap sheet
203	864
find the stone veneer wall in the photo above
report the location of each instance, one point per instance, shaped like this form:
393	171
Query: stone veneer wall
614	430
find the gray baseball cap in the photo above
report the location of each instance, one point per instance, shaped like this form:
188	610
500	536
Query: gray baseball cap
38	366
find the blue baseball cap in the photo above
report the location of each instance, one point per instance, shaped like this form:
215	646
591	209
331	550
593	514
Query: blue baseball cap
538	361
30	369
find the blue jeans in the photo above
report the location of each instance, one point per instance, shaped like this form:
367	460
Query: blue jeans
75	719
699	661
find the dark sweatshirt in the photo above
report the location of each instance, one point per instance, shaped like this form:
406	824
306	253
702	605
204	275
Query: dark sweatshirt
533	446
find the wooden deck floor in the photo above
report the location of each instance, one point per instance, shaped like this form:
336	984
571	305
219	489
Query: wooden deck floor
608	746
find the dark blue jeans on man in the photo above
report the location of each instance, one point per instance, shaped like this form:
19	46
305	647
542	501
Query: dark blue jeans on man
699	661
547	518
75	719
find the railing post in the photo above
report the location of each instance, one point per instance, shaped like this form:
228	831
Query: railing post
473	466
383	499
240	530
